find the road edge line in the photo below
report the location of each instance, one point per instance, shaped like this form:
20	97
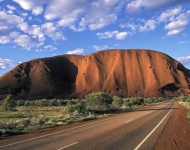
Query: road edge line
68	146
142	142
31	139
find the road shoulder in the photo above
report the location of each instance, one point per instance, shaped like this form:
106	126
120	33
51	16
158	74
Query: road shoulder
176	134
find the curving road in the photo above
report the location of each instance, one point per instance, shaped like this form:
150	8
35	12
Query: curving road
139	129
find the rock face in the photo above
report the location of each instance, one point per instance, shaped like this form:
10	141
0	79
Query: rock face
126	73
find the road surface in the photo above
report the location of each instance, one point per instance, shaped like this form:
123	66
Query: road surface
139	129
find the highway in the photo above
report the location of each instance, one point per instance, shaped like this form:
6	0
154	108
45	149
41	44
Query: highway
139	129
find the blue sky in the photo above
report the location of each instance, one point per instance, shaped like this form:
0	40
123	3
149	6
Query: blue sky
32	29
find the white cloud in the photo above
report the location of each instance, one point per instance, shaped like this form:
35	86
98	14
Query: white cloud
23	14
170	14
36	31
107	34
35	34
50	29
141	26
184	60
24	27
110	34
6	63
13	21
132	26
30	4
9	19
183	42
50	47
77	29
66	22
121	35
78	51
136	6
178	24
11	7
26	41
4	39
14	35
65	9
46	48
37	10
79	15
102	22
149	25
98	48
97	17
27	5
175	20
4	30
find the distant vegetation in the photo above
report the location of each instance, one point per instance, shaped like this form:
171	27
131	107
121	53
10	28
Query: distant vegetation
21	116
185	101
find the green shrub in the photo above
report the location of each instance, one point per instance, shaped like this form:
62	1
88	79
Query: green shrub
32	103
137	101
26	103
117	101
53	102
42	102
161	99
185	98
148	101
98	101
69	108
80	107
5	131
20	102
26	122
15	115
126	102
8	104
188	114
31	128
130	105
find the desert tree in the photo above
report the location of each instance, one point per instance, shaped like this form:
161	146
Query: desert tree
8	104
98	101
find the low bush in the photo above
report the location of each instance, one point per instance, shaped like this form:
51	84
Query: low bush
137	101
98	102
117	101
26	122
8	104
38	114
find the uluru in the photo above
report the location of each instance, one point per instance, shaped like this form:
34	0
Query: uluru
125	73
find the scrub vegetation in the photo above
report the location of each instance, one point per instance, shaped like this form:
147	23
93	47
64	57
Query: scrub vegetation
22	116
184	101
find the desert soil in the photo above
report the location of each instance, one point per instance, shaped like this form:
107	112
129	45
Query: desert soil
176	134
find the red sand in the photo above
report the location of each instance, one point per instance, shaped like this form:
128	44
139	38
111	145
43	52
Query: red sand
176	135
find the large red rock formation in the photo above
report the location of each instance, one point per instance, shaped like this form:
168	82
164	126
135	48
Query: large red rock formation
124	73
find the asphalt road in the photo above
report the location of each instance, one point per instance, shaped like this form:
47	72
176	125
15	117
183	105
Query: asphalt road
128	131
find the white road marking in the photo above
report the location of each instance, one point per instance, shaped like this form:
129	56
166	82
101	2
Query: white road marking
141	143
64	131
129	121
68	146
